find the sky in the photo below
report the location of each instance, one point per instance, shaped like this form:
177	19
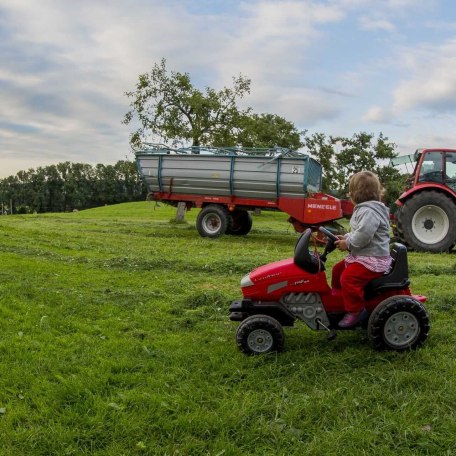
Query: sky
337	67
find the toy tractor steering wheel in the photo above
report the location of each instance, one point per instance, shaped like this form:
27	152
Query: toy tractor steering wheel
330	245
328	234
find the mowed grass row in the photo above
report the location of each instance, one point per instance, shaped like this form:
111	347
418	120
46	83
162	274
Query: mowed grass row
115	340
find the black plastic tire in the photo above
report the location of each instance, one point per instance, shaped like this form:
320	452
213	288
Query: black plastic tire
427	221
260	334
241	223
213	221
398	323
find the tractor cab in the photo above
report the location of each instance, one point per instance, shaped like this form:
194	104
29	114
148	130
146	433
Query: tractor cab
429	166
438	167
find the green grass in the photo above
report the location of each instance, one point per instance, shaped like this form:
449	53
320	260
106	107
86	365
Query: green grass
115	340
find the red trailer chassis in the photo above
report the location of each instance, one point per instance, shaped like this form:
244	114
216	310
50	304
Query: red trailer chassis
228	214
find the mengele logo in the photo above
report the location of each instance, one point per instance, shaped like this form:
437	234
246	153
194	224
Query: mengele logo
331	207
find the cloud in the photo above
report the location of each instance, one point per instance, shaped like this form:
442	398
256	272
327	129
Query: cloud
272	45
271	40
367	23
374	114
423	138
304	107
431	84
68	68
403	4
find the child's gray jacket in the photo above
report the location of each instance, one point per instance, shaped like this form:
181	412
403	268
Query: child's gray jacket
370	227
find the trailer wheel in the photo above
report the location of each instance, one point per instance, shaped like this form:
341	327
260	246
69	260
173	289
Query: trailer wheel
213	221
428	222
241	223
259	334
398	323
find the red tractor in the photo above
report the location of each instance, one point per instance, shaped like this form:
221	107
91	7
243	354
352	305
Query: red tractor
279	293
426	216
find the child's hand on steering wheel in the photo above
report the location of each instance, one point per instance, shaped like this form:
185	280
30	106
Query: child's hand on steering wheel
341	244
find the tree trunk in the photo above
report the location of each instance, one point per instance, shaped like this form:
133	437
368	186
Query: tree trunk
180	213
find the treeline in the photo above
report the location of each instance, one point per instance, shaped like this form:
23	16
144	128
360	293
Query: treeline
68	186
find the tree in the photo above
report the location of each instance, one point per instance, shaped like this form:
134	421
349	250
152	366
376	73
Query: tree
362	152
167	105
268	130
322	149
342	157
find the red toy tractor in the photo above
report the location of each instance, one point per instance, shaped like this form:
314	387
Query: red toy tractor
279	293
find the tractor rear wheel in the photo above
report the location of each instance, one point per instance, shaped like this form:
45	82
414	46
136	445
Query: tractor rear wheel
259	334
398	232
427	222
213	221
398	323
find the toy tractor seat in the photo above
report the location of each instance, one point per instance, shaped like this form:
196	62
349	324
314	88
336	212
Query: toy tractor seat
303	258
396	279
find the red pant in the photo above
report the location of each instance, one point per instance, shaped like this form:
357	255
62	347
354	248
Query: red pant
351	279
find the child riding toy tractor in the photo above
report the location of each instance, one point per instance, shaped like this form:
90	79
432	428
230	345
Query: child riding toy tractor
279	293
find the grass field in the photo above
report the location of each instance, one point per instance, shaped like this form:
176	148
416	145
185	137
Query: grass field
115	340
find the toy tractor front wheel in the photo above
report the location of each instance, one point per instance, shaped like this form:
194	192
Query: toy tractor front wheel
398	323
259	334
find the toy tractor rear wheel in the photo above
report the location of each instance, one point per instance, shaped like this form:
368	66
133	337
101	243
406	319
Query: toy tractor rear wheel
398	323
259	334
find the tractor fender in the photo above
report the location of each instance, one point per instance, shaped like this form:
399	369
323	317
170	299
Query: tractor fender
424	187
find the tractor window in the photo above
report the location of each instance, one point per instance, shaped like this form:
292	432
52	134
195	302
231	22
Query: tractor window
450	170
432	168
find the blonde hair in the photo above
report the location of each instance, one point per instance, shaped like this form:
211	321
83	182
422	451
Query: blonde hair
365	186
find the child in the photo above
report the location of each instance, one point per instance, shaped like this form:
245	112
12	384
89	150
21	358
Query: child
367	243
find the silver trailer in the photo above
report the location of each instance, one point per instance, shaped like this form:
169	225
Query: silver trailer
228	182
246	176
